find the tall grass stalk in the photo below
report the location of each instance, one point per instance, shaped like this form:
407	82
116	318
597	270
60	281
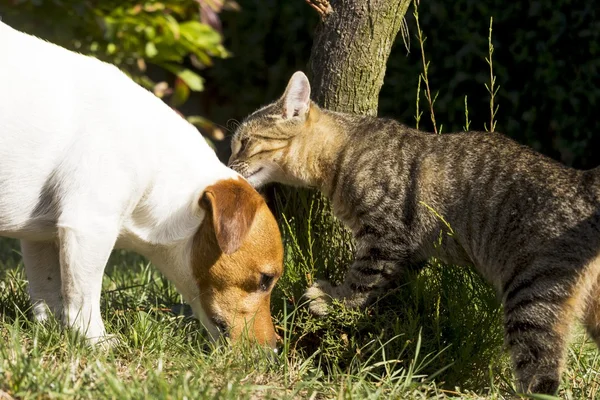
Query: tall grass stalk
467	125
418	112
491	88
424	75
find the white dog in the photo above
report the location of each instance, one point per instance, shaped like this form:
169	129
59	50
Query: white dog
89	161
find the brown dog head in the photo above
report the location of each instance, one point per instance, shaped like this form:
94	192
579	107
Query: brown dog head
237	258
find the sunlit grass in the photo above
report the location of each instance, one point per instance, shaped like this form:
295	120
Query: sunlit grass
438	335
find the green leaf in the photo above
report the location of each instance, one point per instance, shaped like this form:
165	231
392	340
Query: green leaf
199	121
181	93
207	127
200	35
168	53
192	79
150	32
151	50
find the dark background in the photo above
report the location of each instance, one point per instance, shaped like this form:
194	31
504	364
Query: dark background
545	59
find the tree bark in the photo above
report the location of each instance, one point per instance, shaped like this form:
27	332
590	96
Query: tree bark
347	65
350	51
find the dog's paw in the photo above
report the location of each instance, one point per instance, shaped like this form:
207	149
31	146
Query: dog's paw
43	313
319	298
40	313
105	343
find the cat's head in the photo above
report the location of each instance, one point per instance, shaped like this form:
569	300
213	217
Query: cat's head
270	141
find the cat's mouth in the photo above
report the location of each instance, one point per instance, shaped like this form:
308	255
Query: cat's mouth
253	173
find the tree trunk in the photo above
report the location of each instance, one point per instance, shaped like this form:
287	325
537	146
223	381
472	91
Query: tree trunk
347	65
350	51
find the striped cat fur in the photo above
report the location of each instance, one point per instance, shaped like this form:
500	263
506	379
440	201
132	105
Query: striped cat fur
530	225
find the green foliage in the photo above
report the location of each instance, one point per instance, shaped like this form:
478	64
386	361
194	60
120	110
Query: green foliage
127	34
452	311
423	77
491	88
317	244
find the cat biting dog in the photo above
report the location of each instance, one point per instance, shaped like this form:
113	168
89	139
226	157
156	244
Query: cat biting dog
90	161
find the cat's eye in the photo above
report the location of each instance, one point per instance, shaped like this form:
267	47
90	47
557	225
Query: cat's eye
265	281
243	143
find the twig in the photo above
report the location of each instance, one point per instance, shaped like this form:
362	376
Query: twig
430	100
322	6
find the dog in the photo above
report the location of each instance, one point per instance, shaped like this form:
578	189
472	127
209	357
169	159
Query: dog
91	161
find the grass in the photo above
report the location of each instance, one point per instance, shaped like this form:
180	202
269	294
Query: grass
438	336
164	355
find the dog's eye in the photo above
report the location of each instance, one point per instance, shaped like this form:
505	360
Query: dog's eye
265	282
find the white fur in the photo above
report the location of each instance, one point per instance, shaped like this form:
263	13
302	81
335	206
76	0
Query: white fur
89	160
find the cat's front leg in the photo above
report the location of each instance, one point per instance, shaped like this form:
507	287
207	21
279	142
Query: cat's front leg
366	279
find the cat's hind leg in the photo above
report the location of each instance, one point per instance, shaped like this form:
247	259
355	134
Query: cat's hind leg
541	303
591	318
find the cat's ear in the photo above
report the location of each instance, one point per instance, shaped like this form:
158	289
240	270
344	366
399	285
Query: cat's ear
296	99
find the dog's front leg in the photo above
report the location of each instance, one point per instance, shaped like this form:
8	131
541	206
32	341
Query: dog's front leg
42	268
83	256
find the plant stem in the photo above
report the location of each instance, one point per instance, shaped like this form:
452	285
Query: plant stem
422	39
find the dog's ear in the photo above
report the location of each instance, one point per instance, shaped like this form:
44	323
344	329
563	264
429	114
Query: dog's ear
232	204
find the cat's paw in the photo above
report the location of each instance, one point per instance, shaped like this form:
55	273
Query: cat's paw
319	298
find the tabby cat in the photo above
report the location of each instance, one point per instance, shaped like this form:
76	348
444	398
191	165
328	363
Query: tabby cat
530	225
